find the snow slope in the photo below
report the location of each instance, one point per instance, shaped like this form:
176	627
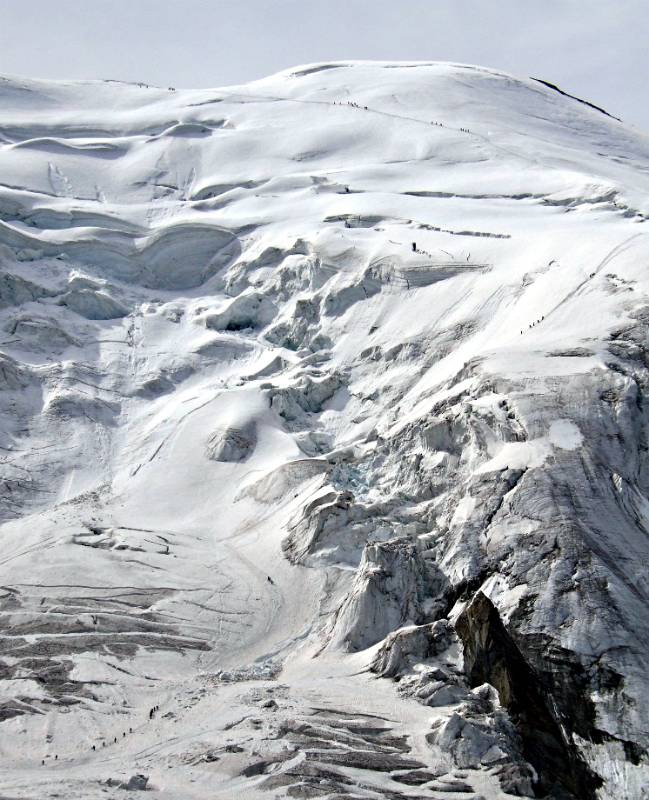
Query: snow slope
324	439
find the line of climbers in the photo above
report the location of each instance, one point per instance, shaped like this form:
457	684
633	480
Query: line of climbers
365	108
146	86
419	250
352	104
536	322
152	712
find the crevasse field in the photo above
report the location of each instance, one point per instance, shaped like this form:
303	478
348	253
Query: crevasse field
324	408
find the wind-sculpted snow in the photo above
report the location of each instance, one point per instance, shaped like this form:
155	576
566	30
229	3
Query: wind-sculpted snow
324	435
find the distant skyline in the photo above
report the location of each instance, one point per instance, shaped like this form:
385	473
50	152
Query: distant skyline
595	49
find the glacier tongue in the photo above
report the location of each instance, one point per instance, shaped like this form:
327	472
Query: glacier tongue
324	434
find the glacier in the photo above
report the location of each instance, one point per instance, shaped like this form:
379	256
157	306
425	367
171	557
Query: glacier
324	432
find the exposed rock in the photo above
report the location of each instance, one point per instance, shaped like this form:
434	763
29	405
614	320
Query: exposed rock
415	777
136	783
544	718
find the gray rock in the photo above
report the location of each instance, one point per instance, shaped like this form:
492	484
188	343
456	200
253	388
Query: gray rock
136	783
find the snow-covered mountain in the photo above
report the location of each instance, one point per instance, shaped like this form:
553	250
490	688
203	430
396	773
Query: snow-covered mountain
324	439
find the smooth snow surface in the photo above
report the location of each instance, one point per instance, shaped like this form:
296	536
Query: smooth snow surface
324	439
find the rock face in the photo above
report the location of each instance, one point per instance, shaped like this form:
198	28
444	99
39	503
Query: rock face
136	783
547	698
324	435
